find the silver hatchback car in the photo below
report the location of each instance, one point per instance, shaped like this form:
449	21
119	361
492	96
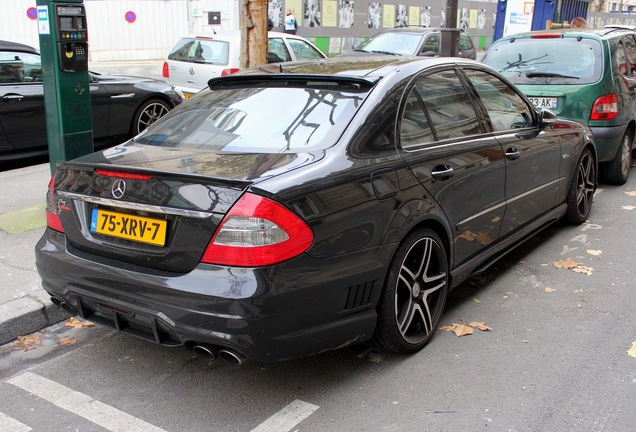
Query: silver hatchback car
196	59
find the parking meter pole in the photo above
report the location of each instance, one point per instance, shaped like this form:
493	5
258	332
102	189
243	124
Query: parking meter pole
64	53
450	33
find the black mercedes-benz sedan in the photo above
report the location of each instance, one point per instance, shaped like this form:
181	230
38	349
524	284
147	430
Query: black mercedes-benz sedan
288	210
122	106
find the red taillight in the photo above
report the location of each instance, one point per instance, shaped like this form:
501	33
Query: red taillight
52	211
165	72
123	175
605	108
230	71
258	232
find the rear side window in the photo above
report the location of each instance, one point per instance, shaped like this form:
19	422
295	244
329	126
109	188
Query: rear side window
547	60
437	108
464	42
206	51
263	117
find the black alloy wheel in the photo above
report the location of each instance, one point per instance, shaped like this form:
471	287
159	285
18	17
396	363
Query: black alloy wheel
582	188
414	295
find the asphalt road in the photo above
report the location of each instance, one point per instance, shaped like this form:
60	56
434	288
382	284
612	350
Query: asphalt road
555	360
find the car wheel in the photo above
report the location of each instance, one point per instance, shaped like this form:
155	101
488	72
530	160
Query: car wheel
414	295
582	189
617	171
148	113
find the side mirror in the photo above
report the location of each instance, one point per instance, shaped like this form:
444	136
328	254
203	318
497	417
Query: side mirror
547	117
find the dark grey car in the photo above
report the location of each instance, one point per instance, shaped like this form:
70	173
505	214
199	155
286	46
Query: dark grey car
412	41
343	216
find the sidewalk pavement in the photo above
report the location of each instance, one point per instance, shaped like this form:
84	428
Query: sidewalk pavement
24	306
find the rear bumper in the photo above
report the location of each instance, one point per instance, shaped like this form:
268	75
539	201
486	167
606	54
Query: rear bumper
295	309
607	140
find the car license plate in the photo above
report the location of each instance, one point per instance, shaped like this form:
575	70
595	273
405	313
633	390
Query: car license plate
131	227
544	102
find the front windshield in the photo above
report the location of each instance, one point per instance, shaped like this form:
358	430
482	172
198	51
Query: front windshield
547	60
257	119
400	43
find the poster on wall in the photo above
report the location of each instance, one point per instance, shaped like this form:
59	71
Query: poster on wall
312	13
518	17
275	12
330	13
388	16
296	7
414	15
375	15
401	16
346	14
425	16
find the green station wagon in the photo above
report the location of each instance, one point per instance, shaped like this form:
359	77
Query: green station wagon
587	75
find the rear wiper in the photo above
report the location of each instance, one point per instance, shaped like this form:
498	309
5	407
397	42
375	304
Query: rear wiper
548	75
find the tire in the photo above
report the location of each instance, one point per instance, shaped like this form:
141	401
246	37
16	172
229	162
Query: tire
414	295
617	171
148	112
582	188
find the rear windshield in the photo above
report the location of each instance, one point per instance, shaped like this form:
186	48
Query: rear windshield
547	61
258	119
208	51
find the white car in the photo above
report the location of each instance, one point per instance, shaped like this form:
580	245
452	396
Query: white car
196	59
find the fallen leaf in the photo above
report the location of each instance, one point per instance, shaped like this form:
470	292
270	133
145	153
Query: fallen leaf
67	341
27	342
484	238
583	269
594	252
549	290
568	263
477	301
459	329
480	325
631	193
632	351
629	207
77	324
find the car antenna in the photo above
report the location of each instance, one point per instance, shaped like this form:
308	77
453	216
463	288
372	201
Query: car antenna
280	68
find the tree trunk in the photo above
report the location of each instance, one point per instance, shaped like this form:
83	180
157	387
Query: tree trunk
253	33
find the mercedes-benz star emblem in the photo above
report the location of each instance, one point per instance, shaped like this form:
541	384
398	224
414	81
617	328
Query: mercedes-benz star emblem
118	189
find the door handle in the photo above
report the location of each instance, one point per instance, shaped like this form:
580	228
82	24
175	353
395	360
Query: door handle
12	97
512	153
442	172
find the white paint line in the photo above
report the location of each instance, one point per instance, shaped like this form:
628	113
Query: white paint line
287	418
8	424
83	405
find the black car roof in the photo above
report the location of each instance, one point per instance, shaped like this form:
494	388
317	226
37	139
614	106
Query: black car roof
18	47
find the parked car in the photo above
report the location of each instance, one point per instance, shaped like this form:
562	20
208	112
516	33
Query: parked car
121	106
345	216
587	75
196	59
412	41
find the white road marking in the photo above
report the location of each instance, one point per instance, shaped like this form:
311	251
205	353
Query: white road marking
83	405
8	424
287	418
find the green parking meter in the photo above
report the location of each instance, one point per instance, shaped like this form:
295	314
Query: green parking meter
67	101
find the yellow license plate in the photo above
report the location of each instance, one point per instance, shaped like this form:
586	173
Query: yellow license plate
131	227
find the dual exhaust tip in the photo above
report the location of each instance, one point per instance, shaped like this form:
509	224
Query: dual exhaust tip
207	351
211	352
